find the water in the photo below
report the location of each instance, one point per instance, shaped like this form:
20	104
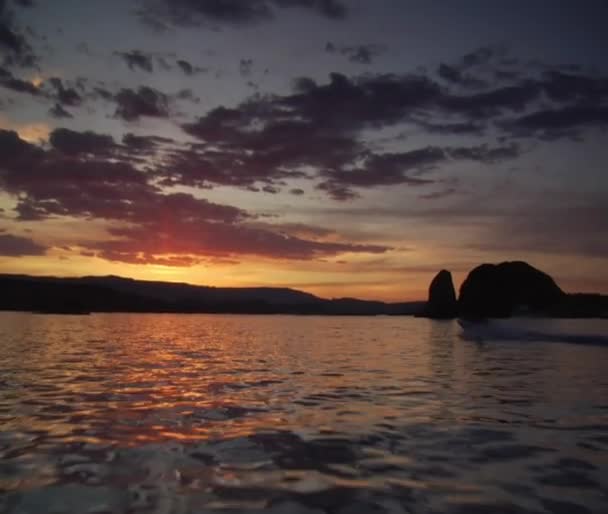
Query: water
194	414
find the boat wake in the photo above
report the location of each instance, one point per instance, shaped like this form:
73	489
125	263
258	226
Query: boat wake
511	330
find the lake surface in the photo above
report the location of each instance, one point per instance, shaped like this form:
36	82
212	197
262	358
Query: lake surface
119	413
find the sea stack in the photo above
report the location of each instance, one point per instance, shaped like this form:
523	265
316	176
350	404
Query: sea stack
502	290
442	297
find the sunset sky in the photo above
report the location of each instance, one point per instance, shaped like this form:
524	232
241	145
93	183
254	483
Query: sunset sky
341	147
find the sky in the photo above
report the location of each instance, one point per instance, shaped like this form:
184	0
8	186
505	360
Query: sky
347	148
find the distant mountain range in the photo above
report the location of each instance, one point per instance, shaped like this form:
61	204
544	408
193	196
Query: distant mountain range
117	294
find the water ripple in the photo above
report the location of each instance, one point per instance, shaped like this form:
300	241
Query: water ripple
187	414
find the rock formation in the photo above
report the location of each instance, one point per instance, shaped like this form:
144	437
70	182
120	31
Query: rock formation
501	290
442	297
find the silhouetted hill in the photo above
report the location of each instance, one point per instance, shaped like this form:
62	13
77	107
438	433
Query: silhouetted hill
117	294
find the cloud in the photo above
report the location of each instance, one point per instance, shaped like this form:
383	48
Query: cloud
478	69
9	40
9	81
482	56
80	177
217	240
556	123
484	153
145	101
245	67
69	180
316	133
75	143
14	46
65	95
492	103
16	151
136	59
57	111
381	170
361	54
458	77
15	246
190	69
103	93
458	128
161	14
395	168
15	49
436	195
138	143
185	66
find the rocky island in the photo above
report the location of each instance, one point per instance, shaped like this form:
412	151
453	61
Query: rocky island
509	289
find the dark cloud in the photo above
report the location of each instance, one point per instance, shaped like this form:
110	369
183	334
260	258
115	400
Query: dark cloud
71	142
186	67
482	56
436	195
9	40
362	54
190	238
484	154
329	8
493	103
15	49
9	81
405	168
65	95
267	140
15	153
103	93
556	123
578	102
57	111
567	87
457	76
68	180
270	189
163	13
187	94
462	128
382	170
145	101
137	60
480	69
144	143
245	67
15	246
79	177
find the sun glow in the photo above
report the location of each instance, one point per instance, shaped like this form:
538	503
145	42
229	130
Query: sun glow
37	81
34	132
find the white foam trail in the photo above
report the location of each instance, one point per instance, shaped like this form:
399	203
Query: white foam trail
500	330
